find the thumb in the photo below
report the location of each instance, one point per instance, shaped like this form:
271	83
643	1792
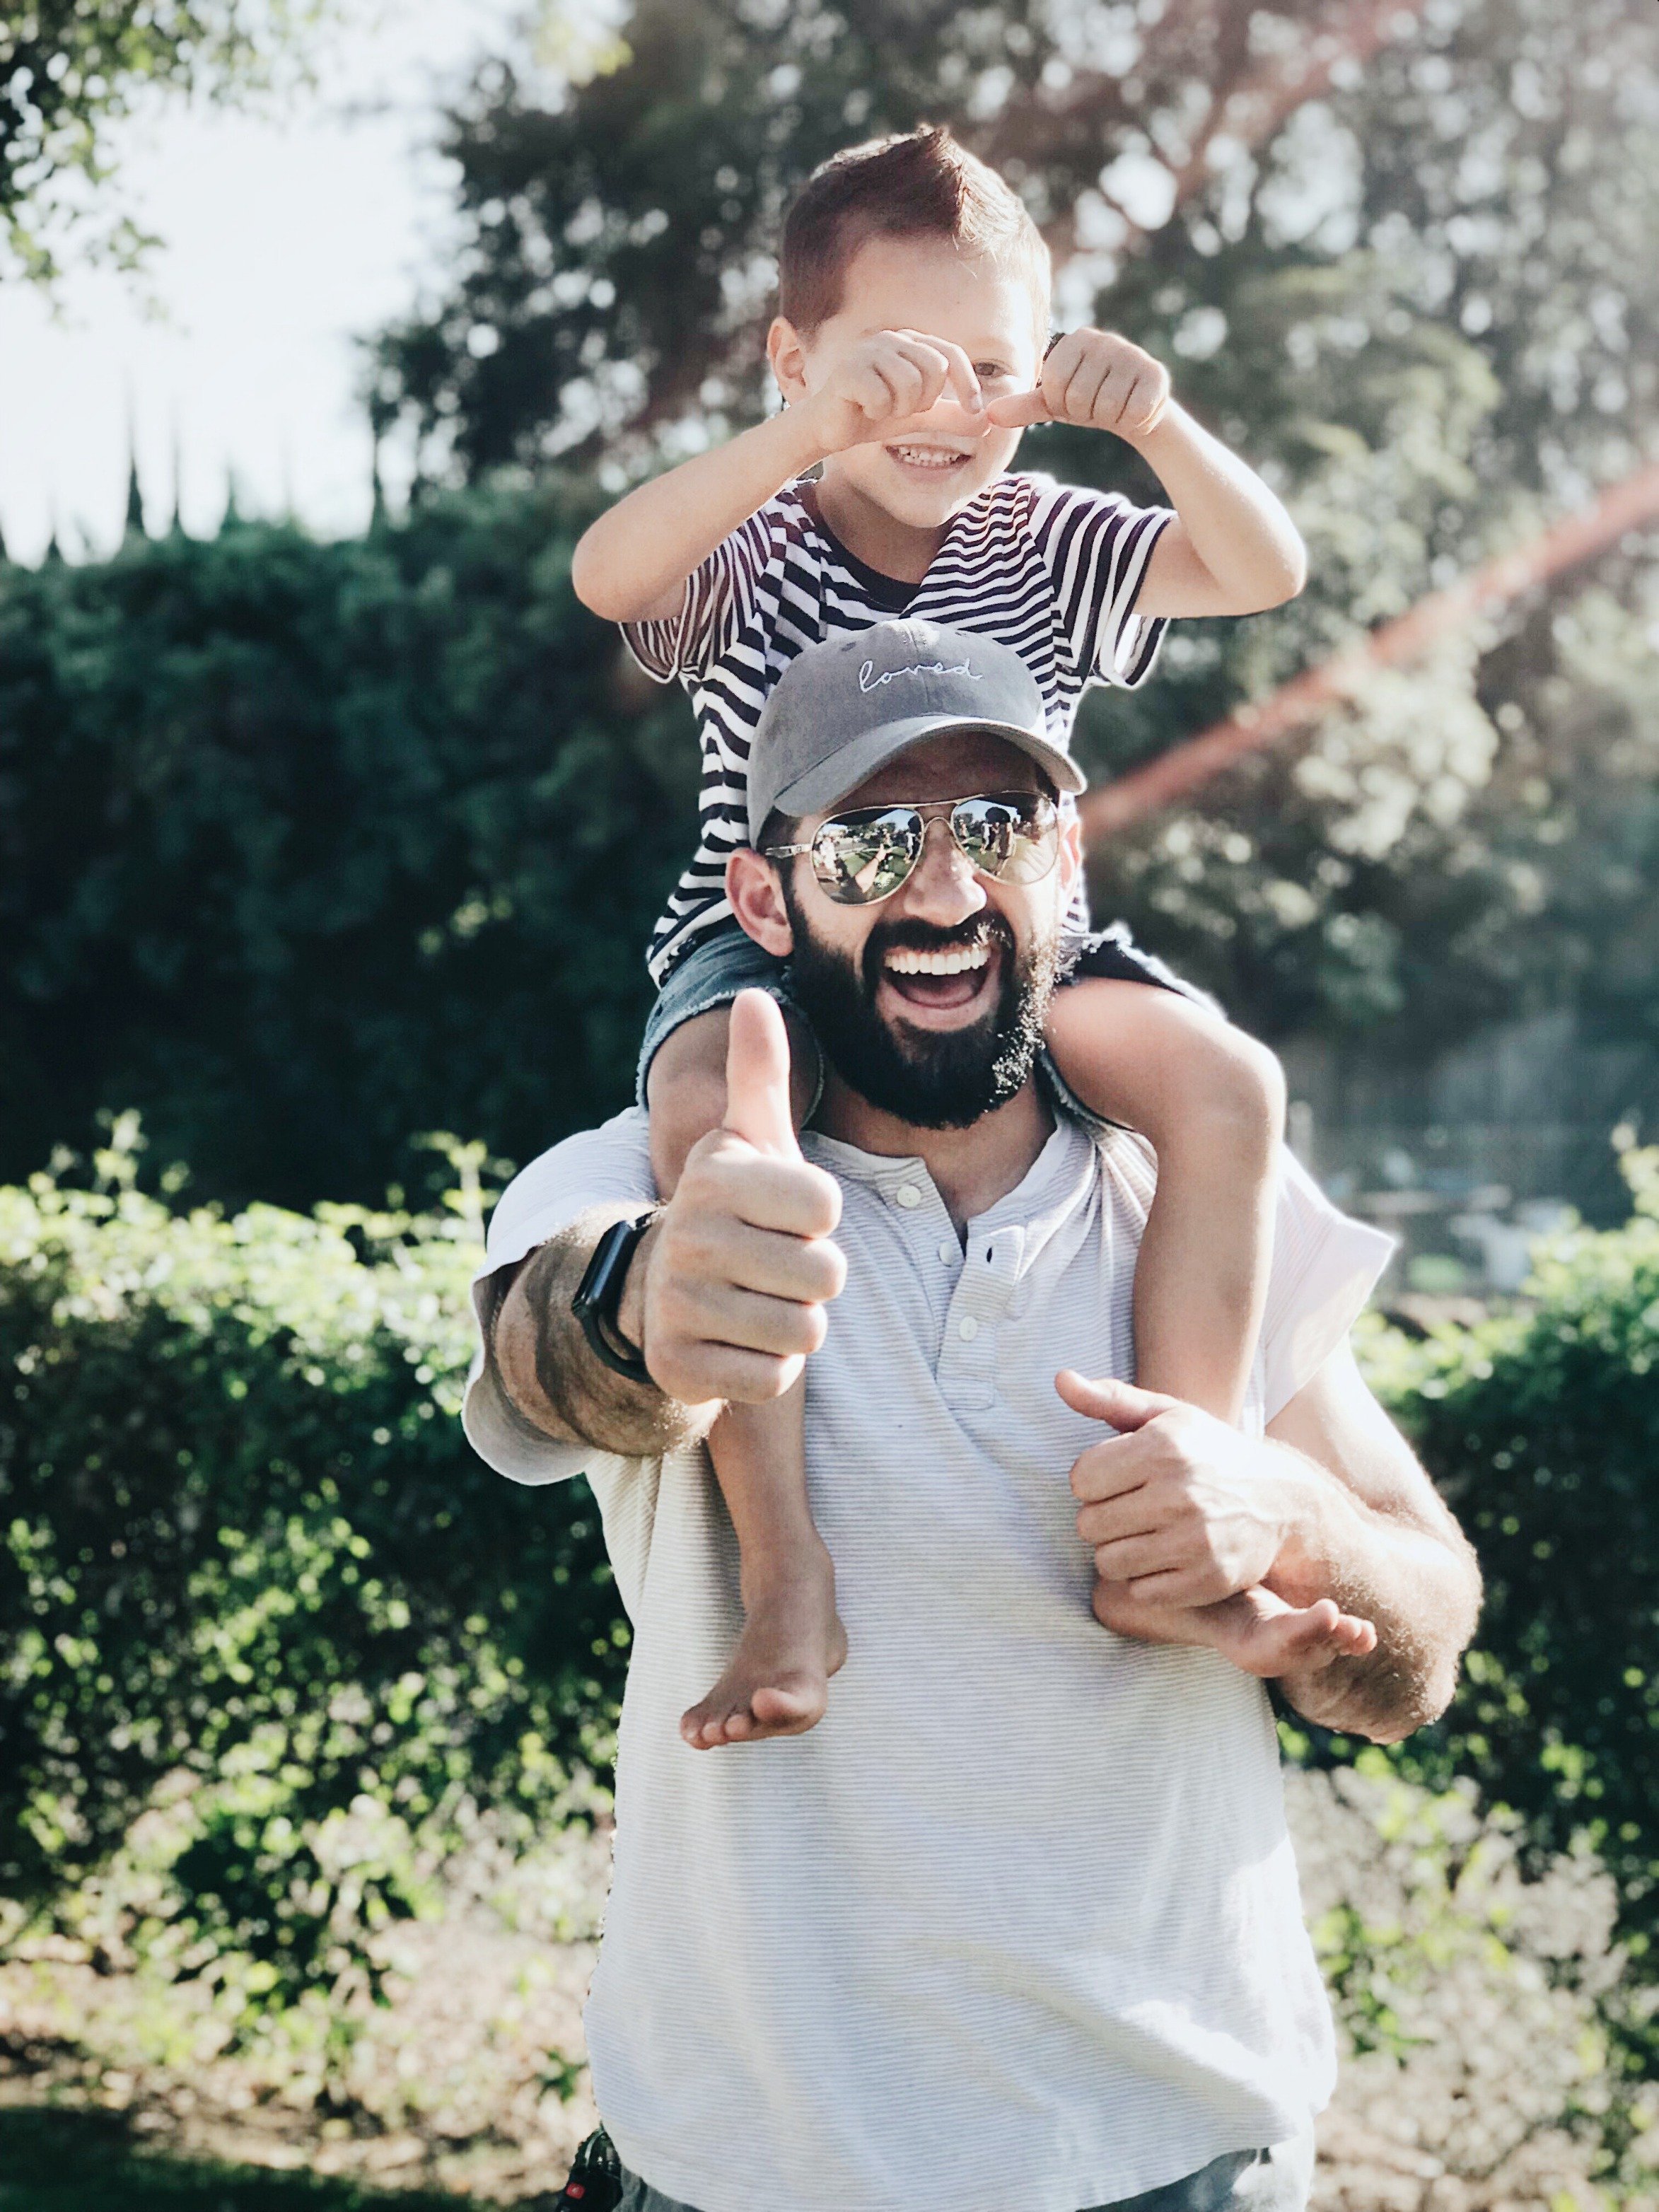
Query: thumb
1121	1405
757	1076
1015	409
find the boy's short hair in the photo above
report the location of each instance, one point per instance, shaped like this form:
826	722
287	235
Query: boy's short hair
921	185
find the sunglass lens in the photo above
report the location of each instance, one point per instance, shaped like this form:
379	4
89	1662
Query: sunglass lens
1014	839
860	860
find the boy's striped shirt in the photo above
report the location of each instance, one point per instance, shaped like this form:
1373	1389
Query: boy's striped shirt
1050	570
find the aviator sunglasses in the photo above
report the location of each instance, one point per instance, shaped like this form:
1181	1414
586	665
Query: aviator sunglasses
871	851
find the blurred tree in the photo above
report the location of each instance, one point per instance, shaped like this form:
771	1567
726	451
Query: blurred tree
1400	257
305	848
69	70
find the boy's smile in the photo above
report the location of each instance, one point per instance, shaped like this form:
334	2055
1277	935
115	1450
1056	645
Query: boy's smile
889	502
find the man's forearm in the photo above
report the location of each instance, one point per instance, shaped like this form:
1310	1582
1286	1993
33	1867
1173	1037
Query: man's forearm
552	1377
1418	1585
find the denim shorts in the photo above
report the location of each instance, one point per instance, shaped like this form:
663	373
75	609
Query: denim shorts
728	960
1276	2181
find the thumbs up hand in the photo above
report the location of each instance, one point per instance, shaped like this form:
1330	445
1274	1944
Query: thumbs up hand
757	1078
738	1266
1185	1509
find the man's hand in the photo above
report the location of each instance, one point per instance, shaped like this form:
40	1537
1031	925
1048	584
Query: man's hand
1097	381
886	384
1180	1507
727	1294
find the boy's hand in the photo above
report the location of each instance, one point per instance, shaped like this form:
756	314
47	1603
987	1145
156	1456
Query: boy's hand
885	382
1095	379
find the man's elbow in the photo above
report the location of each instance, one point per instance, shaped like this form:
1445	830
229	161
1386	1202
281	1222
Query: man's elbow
1419	1703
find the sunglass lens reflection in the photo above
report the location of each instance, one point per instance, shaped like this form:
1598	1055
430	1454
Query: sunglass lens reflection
859	862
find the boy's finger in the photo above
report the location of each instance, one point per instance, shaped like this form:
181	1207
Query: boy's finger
894	374
1113	400
1014	410
931	368
963	382
1065	378
871	394
956	369
1144	410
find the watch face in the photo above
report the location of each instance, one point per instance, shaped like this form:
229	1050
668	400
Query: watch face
600	1294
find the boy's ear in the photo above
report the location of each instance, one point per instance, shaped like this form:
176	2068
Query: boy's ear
755	893
787	355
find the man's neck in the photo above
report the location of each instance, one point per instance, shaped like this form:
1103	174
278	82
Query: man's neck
972	1168
880	540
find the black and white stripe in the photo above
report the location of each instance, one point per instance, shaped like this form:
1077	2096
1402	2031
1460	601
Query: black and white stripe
1050	570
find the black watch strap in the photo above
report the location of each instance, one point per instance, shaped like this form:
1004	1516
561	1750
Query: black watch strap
599	1293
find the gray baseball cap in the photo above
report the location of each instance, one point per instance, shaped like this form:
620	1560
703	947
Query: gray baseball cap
844	708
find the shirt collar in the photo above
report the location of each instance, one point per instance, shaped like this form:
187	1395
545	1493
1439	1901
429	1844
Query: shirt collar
1057	1181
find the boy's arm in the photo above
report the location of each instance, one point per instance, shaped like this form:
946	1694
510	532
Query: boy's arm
1232	549
633	564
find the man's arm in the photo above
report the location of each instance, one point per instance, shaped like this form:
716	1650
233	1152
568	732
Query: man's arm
724	1293
550	1375
1372	1532
1331	1503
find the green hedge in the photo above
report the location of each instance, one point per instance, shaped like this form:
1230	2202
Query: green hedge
306	847
1543	1430
252	1573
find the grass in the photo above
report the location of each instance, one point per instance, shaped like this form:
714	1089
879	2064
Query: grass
79	2161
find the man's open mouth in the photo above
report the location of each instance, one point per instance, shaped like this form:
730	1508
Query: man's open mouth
943	981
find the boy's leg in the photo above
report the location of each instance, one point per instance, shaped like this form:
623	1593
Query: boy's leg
777	1681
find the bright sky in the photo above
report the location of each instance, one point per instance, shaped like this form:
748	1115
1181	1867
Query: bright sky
286	236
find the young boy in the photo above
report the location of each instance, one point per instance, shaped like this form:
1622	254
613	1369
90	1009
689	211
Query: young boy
909	350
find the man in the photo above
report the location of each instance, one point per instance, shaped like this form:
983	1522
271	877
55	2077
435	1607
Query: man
1016	1926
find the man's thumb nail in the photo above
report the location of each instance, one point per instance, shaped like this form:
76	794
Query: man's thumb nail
757	1076
1121	1404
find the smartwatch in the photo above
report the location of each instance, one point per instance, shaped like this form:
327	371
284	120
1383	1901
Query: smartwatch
599	1293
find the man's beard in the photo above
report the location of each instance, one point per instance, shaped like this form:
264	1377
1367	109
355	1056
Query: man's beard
931	1078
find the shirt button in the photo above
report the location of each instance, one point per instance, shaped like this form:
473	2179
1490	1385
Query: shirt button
967	1328
908	1196
949	1252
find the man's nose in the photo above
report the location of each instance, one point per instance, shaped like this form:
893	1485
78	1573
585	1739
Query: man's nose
943	888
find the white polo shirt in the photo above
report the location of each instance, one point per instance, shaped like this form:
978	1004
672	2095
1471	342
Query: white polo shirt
1017	1923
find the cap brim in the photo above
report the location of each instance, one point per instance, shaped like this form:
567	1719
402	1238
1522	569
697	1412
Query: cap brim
830	781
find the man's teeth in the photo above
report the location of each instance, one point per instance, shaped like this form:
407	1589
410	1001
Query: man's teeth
906	962
928	457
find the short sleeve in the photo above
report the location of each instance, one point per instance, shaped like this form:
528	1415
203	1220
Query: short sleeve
610	1166
1095	546
1326	1265
720	597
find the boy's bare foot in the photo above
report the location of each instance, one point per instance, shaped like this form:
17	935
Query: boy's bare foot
1256	1629
778	1681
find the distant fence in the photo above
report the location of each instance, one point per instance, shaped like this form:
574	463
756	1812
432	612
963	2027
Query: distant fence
1417	1182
